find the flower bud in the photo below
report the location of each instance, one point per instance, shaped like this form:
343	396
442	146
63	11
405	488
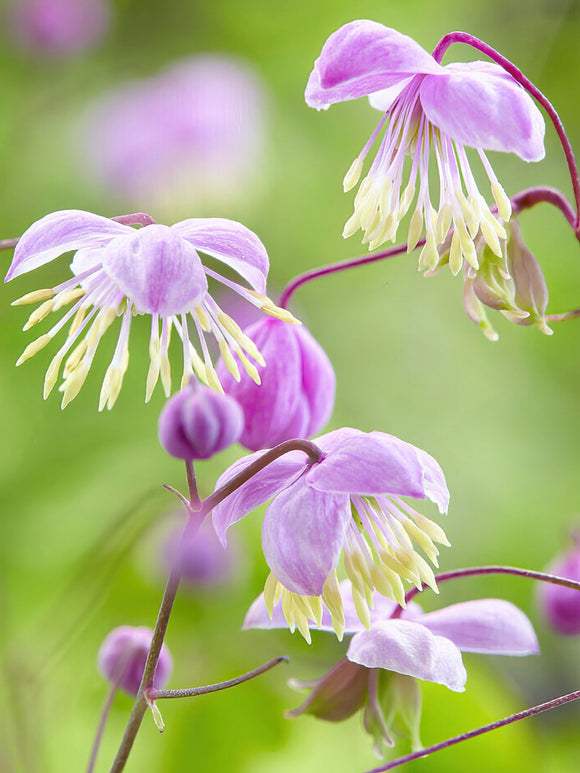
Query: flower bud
198	422
560	605
123	655
200	557
296	396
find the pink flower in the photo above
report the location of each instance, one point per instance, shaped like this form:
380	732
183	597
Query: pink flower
430	111
123	655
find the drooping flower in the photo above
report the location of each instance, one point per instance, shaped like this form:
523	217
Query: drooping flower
382	662
123	655
349	502
155	270
199	422
560	605
430	111
296	395
192	136
59	27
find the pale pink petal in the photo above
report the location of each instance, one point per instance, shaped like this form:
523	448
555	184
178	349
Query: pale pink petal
478	104
231	243
489	626
363	57
367	463
409	648
61	232
302	536
383	100
261	487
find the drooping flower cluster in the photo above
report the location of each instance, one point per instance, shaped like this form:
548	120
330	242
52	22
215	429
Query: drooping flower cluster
429	111
413	646
119	271
348	503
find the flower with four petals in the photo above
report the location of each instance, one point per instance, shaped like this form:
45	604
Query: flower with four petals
430	111
348	503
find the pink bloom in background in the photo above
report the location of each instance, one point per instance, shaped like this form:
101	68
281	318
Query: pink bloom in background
561	606
416	645
123	655
59	27
156	270
296	395
431	113
346	504
191	137
201	558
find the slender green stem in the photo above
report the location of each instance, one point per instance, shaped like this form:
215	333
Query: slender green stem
191	692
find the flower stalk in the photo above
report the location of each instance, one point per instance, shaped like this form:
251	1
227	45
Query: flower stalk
517	74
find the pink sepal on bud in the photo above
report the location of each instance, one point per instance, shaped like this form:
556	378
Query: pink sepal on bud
123	655
198	422
296	395
561	605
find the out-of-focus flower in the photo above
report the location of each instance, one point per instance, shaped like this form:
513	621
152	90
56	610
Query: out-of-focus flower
191	137
433	111
349	502
123	655
200	557
156	270
59	27
561	606
512	284
296	395
199	422
382	662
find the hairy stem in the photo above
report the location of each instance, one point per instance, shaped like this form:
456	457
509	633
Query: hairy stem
517	74
541	707
191	692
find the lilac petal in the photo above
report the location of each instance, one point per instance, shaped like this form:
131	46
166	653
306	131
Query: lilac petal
363	57
434	482
489	626
367	463
261	487
409	648
61	232
318	381
158	271
302	536
479	105
232	243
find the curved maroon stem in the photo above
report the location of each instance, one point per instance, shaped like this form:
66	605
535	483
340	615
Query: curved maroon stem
306	446
564	316
541	707
8	244
529	197
334	268
517	74
192	692
472	571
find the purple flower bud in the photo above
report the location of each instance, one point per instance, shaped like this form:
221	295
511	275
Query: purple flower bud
560	605
198	422
296	396
200	557
59	27
123	655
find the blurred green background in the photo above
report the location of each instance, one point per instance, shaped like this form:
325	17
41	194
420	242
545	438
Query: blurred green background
81	498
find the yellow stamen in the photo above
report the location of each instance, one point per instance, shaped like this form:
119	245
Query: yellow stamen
34	297
353	175
39	314
33	348
228	359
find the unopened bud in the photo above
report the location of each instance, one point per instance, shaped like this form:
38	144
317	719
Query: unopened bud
198	422
123	655
561	605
